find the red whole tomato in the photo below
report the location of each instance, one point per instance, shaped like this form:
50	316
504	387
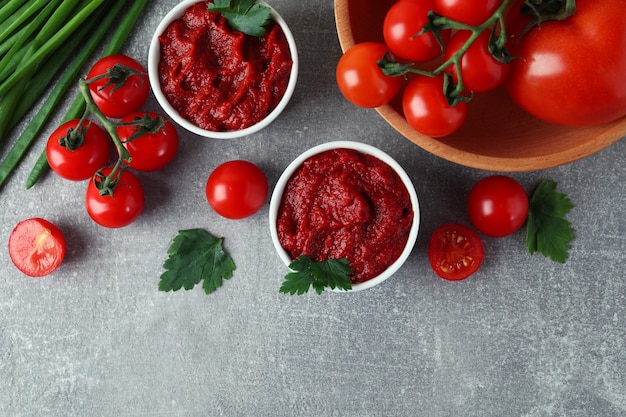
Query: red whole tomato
480	71
403	21
470	12
152	143
76	153
427	110
236	189
571	72
118	85
119	209
361	80
455	251
36	247
497	205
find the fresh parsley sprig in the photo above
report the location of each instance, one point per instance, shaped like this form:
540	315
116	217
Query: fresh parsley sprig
306	273
547	232
247	16
195	255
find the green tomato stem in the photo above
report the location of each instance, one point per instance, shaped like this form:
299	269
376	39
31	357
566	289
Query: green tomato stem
111	128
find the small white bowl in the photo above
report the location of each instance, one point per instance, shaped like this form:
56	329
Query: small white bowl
277	195
154	56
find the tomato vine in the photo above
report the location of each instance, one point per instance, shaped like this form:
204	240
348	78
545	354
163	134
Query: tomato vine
144	125
454	89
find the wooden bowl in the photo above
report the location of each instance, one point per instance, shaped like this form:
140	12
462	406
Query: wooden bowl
497	136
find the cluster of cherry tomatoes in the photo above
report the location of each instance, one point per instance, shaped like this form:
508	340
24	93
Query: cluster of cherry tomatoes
464	61
115	89
437	54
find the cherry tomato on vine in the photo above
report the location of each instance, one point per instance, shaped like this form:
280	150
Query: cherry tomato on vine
36	247
403	21
236	189
427	110
571	72
122	85
497	205
76	153
470	12
481	72
361	80
156	143
455	251
119	209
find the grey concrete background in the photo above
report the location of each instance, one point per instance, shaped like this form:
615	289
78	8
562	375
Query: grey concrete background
523	337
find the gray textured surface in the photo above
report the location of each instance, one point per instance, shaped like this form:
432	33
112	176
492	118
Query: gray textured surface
523	337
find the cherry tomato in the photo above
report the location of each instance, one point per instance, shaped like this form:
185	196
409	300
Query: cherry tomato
427	110
119	209
403	21
470	12
571	72
455	251
122	87
81	162
36	247
361	80
156	144
481	72
497	205
236	189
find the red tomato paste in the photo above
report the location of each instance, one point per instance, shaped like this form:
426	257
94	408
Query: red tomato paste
220	79
343	203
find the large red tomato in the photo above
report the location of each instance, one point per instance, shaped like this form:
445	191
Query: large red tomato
571	72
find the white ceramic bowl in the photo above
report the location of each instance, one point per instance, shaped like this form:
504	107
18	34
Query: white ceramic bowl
154	55
277	195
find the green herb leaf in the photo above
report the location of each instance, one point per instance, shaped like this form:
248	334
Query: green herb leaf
195	255
331	273
246	16
547	231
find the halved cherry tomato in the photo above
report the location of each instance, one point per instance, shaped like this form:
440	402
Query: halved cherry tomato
403	22
236	189
361	80
154	147
36	247
497	205
427	110
455	251
122	85
117	210
92	151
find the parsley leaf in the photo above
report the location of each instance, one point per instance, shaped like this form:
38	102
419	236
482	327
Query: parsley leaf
195	255
246	16
547	231
332	273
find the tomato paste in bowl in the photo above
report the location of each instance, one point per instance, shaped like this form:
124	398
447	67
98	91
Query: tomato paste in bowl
346	200
216	81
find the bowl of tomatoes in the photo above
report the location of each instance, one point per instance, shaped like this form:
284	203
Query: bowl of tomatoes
220	73
495	129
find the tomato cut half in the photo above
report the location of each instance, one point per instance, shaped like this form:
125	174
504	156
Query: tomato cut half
36	247
455	251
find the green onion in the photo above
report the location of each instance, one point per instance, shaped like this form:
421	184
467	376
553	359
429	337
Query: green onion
48	39
78	105
16	53
98	24
15	21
